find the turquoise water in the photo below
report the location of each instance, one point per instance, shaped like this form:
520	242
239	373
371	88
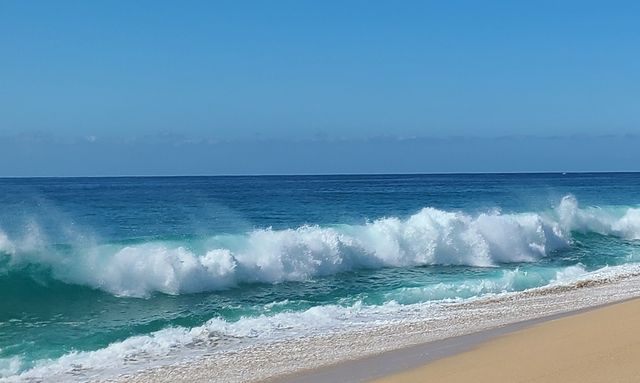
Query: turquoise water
123	266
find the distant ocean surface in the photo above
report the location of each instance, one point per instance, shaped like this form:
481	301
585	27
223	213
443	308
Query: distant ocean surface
101	275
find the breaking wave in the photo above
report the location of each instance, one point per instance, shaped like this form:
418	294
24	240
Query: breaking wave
429	237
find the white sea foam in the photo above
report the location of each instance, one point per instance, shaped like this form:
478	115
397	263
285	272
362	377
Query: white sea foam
10	366
183	342
621	222
6	246
509	280
177	344
428	237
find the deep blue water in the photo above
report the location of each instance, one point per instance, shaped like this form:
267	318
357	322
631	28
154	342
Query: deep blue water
86	262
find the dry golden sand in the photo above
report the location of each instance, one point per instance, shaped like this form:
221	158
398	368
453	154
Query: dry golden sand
602	345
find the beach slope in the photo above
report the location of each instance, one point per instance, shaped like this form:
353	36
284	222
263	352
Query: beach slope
602	345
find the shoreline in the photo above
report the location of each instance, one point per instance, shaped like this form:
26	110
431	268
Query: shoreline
298	360
596	345
394	365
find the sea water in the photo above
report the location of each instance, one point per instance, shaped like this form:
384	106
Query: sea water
104	275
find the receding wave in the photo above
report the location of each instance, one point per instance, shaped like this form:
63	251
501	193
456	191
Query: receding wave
139	351
429	237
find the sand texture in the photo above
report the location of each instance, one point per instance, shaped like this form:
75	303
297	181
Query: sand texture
602	345
371	352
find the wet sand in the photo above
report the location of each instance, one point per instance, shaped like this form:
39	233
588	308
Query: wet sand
431	335
602	345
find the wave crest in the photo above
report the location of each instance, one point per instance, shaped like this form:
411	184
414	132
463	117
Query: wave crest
429	237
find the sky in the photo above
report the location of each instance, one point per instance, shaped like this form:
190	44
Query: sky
93	88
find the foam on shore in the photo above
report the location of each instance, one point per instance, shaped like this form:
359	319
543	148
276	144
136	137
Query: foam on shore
275	359
286	339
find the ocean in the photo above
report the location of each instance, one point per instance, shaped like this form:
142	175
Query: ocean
100	276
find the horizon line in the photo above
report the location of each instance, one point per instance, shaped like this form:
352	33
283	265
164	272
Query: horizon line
560	172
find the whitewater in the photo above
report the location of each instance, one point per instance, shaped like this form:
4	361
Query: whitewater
429	237
104	277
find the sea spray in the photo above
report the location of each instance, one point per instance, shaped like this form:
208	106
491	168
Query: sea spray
429	237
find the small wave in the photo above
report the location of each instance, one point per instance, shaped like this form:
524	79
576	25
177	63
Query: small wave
170	344
429	237
508	280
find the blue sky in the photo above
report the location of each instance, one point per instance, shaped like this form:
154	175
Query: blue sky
246	87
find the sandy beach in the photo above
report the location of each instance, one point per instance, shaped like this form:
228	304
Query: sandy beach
602	345
572	328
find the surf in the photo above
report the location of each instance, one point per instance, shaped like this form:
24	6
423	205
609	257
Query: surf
428	237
